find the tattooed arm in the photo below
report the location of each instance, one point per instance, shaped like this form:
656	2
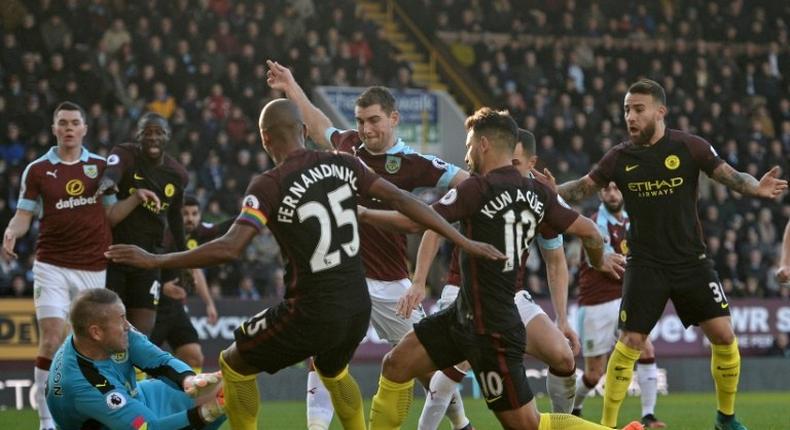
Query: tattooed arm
769	186
578	190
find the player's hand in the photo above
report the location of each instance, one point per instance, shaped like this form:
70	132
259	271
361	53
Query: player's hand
148	196
484	250
9	241
547	178
213	408
131	255
173	290
361	212
211	313
106	184
783	274
613	265
770	185
570	334
279	77
202	383
410	300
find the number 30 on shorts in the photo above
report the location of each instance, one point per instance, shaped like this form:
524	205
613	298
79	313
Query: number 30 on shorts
718	293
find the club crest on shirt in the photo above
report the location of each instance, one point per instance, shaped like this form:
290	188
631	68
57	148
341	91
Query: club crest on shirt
113	159
192	244
170	189
90	170
115	400
672	162
392	165
120	357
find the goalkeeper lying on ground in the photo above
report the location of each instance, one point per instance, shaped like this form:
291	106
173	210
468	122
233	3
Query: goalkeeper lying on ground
92	382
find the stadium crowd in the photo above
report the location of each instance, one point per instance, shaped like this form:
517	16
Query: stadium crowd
200	64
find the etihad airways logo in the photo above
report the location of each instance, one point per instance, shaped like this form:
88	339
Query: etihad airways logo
658	187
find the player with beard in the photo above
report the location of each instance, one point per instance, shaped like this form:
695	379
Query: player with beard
144	164
599	301
657	170
173	324
499	206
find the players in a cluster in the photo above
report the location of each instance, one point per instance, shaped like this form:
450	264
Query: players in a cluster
309	202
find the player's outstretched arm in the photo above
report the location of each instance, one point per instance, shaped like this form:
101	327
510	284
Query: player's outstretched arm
226	248
783	273
422	214
578	190
769	186
17	227
415	294
280	78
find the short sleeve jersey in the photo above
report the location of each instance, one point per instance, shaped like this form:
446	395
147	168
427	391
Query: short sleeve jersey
659	185
596	287
506	210
74	229
384	252
309	202
102	394
145	226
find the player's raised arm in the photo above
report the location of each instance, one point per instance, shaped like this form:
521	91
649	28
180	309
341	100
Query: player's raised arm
280	78
769	186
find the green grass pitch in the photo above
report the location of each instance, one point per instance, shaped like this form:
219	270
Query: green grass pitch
682	411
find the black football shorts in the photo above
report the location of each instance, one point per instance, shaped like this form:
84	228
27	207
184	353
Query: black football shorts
695	291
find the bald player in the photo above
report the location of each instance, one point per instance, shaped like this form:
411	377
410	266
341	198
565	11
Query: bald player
309	202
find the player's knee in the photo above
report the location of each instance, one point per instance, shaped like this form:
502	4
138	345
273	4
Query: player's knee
593	375
633	339
648	352
395	367
561	358
724	337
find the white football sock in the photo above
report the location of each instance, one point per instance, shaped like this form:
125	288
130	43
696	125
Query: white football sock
441	390
582	390
647	376
319	403
455	411
44	416
561	391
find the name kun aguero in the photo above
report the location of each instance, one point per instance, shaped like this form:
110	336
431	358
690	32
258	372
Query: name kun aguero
506	198
299	187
